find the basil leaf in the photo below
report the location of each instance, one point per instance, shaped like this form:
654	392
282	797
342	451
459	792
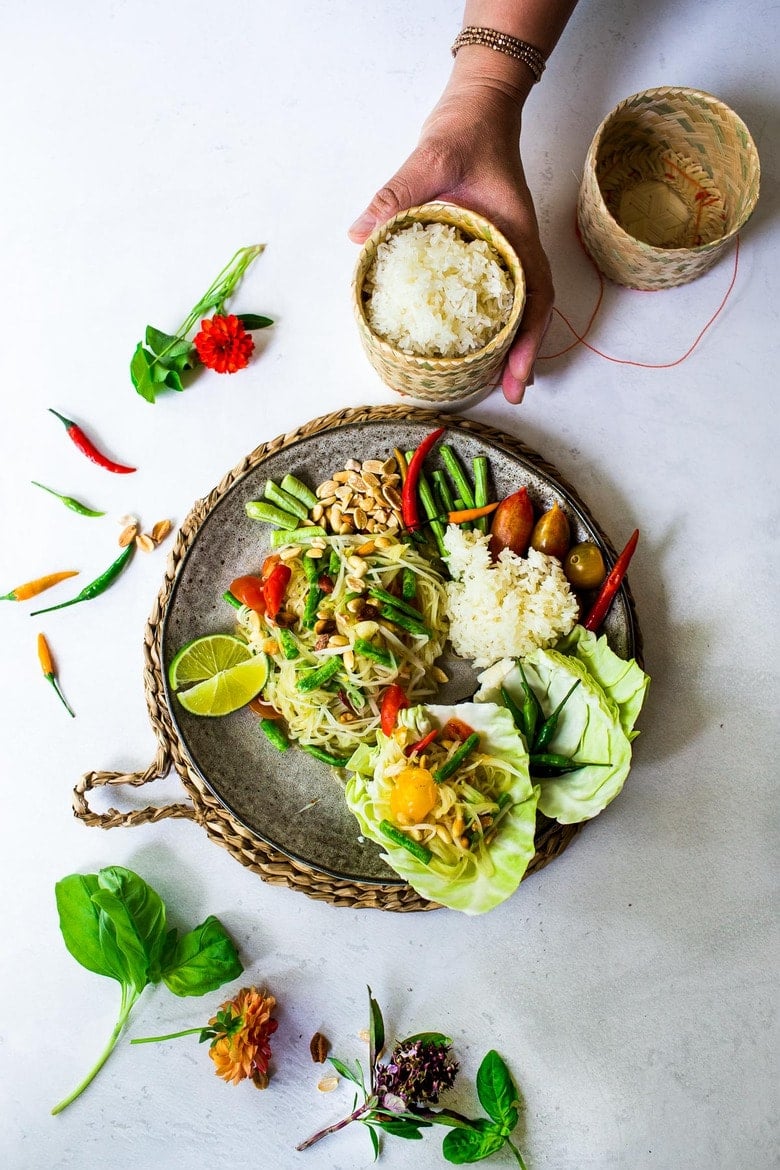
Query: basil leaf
137	914
374	1142
496	1090
80	926
344	1070
471	1145
140	373
376	1033
426	1038
253	321
164	345
202	960
401	1128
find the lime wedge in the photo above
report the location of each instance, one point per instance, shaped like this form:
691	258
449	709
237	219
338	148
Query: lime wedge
206	657
227	690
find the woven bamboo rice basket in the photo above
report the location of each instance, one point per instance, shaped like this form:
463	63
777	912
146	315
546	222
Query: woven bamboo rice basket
671	176
440	381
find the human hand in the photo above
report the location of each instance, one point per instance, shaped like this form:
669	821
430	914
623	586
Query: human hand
469	154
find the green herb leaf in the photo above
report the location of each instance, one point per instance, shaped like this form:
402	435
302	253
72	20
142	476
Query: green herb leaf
496	1091
164	345
426	1038
253	321
80	926
173	380
344	1071
137	916
376	1033
472	1145
202	960
374	1142
402	1128
141	373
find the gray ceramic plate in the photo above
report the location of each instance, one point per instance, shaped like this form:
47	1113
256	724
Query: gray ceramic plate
289	800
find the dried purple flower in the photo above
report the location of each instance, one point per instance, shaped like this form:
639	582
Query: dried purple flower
417	1072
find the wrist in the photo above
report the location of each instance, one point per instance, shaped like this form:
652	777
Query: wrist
499	79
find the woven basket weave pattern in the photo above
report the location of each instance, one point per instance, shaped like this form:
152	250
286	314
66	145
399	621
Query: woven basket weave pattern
439	380
670	178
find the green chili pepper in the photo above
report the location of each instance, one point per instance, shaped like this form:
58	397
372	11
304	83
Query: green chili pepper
546	732
99	585
288	644
516	712
408	584
421	852
231	600
456	759
370	651
68	501
325	757
532	710
274	734
316	678
547	765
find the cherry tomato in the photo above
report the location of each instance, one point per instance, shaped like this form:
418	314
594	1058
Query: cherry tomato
552	533
456	729
269	564
584	566
274	587
249	591
413	795
393	700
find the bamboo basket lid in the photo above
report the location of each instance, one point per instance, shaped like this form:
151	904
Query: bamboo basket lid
671	177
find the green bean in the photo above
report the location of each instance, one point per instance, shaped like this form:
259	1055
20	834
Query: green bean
299	536
231	600
311	567
294	487
457	474
334	563
456	759
257	510
313	599
430	509
370	651
316	678
99	585
288	644
408	584
400	619
68	501
442	486
274	734
388	598
546	732
421	852
285	501
480	465
325	757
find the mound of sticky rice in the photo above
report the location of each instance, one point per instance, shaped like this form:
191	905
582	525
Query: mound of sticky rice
435	293
504	608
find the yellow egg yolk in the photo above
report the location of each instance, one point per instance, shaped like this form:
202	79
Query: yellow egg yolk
413	795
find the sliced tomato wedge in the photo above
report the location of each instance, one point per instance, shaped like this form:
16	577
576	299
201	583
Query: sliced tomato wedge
393	700
456	729
249	591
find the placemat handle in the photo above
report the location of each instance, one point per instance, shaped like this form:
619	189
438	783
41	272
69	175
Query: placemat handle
112	819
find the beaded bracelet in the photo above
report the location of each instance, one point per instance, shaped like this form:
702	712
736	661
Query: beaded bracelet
502	43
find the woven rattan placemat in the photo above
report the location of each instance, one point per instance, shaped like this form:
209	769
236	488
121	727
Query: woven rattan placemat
202	807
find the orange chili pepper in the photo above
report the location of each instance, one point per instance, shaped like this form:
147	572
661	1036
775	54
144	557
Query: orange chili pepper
39	585
465	514
49	672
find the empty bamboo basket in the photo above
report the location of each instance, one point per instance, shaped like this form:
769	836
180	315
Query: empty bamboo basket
671	176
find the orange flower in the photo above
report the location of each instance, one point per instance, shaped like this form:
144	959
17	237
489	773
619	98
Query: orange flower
223	344
242	1050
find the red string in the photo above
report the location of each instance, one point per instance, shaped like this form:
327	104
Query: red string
580	337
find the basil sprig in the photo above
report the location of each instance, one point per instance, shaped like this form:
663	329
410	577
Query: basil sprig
481	1137
114	924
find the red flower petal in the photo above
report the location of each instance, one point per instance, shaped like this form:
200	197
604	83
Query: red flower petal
223	344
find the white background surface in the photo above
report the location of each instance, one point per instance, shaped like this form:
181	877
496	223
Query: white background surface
630	985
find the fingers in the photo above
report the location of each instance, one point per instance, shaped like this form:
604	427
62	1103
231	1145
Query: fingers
519	369
422	177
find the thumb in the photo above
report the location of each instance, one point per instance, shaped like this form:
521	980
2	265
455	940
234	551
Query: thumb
419	179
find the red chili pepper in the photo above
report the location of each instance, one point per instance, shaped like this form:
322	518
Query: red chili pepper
274	589
88	448
393	700
611	585
457	729
249	591
410	506
422	744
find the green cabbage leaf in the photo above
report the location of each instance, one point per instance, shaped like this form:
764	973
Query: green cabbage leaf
473	880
